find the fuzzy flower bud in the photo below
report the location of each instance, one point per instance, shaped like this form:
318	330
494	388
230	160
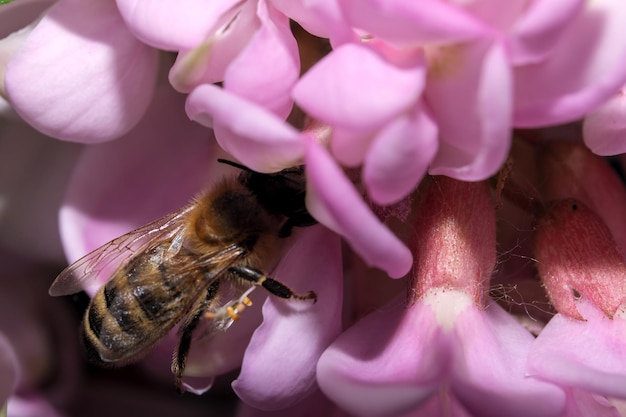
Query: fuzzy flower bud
577	257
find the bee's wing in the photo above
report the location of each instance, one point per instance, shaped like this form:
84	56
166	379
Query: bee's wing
99	266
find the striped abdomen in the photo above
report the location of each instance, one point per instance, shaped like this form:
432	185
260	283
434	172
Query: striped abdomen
136	308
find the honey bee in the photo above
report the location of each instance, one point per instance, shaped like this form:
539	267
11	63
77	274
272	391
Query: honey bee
197	263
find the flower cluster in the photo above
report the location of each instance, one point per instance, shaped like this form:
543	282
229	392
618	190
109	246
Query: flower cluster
457	147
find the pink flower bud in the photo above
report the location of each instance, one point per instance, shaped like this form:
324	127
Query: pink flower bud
570	170
577	257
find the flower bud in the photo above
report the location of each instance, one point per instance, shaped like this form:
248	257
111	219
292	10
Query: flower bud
577	257
570	170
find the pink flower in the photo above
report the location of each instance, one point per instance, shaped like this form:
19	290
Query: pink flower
449	339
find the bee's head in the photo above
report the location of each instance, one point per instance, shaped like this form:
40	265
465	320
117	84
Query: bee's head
282	193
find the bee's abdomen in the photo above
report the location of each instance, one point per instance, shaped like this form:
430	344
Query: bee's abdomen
120	322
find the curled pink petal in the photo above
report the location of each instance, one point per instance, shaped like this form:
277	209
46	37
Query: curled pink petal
399	156
322	18
410	23
604	129
207	62
473	107
80	75
537	31
584	354
17	20
198	385
489	375
167	25
250	133
313	263
396	370
334	202
355	87
581	403
581	85
268	67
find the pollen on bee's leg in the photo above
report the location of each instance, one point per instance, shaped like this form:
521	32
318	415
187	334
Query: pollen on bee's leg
246	301
232	313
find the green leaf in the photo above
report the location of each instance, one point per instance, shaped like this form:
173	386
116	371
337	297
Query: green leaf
1	3
3	412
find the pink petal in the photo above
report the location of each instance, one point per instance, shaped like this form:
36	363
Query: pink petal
584	354
250	133
565	87
489	372
472	106
410	23
34	405
207	62
388	363
399	156
354	87
294	334
198	385
322	18
268	67
349	147
167	25
80	75
604	129
17	20
315	404
119	186
539	29
335	203
582	403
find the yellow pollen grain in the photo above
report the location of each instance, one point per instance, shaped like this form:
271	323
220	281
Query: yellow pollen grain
232	313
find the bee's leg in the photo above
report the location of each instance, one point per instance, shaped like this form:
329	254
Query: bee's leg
179	359
275	287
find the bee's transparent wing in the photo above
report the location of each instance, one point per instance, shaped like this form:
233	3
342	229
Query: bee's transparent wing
98	266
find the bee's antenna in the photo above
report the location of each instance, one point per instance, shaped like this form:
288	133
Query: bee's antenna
234	164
